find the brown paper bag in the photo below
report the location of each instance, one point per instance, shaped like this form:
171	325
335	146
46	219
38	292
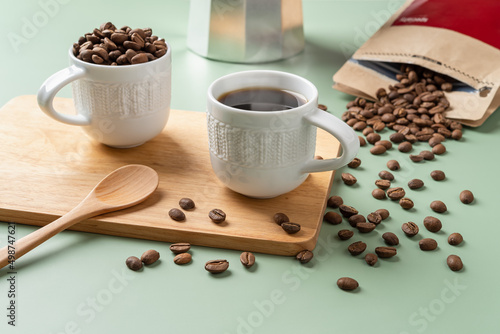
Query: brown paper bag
450	38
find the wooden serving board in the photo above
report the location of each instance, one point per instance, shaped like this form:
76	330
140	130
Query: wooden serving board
47	167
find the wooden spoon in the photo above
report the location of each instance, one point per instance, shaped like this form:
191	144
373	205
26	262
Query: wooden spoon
123	188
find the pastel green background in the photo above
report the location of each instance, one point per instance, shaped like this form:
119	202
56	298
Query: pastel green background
78	283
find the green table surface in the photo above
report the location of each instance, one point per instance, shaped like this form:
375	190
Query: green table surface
78	283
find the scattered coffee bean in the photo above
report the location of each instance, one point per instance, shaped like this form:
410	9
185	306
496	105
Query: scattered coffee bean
247	259
387	144
354	220
455	239
415	184
378	193
396	193
374	218
432	224
405	147
390	238
280	218
362	141
466	197
456	134
372	138
347	211
217	215
176	214
290	228
454	262
334	202
371	259
347	283
393	165
150	257
427	155
378	149
397	137
427	244
439	149
180	247
355	163
318	157
386	175
384	213
406	203
365	227
386	252
383	184
438	206
186	203
438	175
356	248
322	107
182	258
133	263
304	256
216	266
368	130
333	218
345	234
348	179
416	158
410	229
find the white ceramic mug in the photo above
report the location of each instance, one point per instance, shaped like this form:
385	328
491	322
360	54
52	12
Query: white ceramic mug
266	154
120	106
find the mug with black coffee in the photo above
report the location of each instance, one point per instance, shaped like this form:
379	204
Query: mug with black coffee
262	132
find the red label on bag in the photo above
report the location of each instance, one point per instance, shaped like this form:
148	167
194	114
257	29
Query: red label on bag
475	18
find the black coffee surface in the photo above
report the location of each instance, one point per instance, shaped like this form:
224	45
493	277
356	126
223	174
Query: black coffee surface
262	99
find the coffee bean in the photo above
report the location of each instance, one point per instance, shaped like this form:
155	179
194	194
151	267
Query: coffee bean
333	218
405	147
356	248
427	244
216	266
438	175
150	257
247	259
416	158
378	193
322	107
390	238
466	197
455	239
374	218
358	126
439	149
438	206
396	193
378	149
427	155
348	179
372	138
217	215
454	262
386	252
182	258
334	202
456	134
415	184
387	144
176	214
347	211
397	137
133	263
347	283
304	256
410	229
186	203
383	184
385	175
371	259
365	227
280	218
354	220
180	247
384	213
362	141
393	165
406	203
290	228
355	163
345	234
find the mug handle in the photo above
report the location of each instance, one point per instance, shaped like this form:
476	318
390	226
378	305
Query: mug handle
52	86
340	130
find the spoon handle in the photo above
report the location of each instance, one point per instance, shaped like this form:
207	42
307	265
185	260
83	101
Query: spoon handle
34	239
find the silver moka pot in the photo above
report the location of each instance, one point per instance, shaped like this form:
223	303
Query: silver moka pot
246	31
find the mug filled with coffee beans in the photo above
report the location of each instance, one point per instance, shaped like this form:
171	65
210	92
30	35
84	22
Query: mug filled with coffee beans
262	132
121	80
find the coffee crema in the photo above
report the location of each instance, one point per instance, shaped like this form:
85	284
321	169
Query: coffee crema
262	99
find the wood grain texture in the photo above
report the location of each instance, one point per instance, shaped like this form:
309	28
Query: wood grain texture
46	168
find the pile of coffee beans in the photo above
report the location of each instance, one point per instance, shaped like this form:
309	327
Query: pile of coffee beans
108	45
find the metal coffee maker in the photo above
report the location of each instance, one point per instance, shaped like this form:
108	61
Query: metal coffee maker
246	31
